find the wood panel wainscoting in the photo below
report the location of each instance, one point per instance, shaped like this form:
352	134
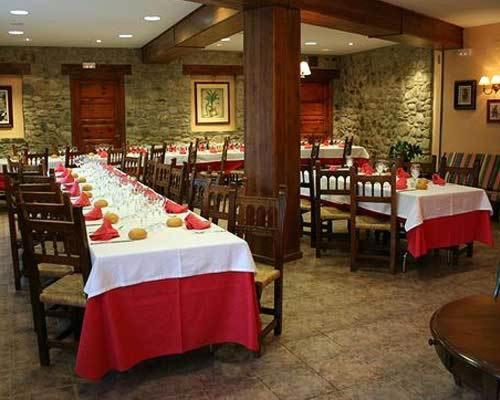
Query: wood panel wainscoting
97	105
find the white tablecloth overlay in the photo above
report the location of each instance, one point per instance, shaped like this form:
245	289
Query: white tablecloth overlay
416	206
53	161
166	253
332	151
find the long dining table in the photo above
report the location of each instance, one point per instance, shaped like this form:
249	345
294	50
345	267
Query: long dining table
441	216
175	291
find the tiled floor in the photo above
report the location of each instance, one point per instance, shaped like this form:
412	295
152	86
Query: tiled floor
346	336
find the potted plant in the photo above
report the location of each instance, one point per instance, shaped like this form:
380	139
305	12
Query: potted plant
405	151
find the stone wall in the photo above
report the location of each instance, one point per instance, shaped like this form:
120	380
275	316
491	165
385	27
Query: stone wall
157	97
385	95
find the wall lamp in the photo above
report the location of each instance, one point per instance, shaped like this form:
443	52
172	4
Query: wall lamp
490	86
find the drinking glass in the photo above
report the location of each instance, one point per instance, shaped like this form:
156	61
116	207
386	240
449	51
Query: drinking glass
349	161
415	171
380	167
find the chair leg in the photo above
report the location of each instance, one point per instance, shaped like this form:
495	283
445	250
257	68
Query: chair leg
41	333
16	266
318	237
278	306
354	248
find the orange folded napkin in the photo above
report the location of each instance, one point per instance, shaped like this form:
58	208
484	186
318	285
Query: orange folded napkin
59	167
402	173
437	180
82	201
213	150
402	183
105	232
172	207
94	214
367	169
74	190
193	222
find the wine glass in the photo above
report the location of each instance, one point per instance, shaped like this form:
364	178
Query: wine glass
349	161
415	171
380	167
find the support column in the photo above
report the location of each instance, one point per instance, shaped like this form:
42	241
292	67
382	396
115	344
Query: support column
272	109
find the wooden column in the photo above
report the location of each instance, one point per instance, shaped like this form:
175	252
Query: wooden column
272	108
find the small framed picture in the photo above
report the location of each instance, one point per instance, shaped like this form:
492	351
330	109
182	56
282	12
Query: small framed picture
212	103
465	95
493	111
6	110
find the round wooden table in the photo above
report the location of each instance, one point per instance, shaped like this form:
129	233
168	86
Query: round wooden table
466	335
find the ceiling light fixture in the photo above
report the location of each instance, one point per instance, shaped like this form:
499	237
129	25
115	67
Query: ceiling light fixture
325	49
152	18
125	35
16	33
226	39
28	39
351	44
219	44
98	41
311	43
19	12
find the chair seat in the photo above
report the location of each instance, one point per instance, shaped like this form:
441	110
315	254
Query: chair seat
334	214
372	223
266	275
67	291
305	205
54	270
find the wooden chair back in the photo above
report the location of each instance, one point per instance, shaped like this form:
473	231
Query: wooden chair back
261	218
38	187
14	165
46	206
316	147
132	165
177	184
223	160
41	197
149	176
69	157
158	153
330	182
347	148
31	178
218	203
468	176
115	157
36	159
197	191
427	168
162	177
192	155
307	178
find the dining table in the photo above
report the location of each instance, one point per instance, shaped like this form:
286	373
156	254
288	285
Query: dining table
177	290
441	216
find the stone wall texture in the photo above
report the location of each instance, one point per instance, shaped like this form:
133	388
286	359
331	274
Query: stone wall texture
383	96
157	97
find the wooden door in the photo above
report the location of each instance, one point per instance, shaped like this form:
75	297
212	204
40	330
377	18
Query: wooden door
98	111
315	110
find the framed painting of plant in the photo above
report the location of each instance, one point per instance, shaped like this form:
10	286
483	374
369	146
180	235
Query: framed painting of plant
6	110
212	102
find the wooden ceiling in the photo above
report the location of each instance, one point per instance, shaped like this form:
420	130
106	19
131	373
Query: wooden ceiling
217	19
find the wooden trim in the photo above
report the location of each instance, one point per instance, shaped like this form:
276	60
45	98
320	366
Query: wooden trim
15	69
322	75
212	70
77	69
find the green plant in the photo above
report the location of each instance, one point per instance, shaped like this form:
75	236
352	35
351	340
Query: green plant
211	98
405	151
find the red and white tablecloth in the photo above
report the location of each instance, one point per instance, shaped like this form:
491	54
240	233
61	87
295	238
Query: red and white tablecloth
441	216
175	291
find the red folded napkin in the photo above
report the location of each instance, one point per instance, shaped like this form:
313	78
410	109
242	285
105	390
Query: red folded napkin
367	169
193	222
103	154
437	180
82	201
105	232
75	190
213	150
68	178
94	214
183	151
308	146
402	173
333	168
402	183
242	148
172	207
59	167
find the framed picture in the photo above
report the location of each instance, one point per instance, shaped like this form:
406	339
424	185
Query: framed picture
493	111
212	103
6	110
465	95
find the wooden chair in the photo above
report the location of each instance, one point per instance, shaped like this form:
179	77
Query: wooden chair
177	184
307	182
149	175
72	250
13	165
41	197
328	183
263	218
316	147
115	157
374	189
69	157
197	190
347	149
33	159
162	177
468	176
158	153
132	166
218	203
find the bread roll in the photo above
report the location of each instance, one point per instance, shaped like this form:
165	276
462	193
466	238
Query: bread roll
112	217
174	222
74	175
87	187
137	234
422	184
101	203
89	194
82	179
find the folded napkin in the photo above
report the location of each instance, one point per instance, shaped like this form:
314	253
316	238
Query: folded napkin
402	183
183	151
402	173
242	148
172	207
75	190
308	146
103	154
437	180
94	214
333	168
59	167
105	232
82	201
68	178
213	150
367	169
193	222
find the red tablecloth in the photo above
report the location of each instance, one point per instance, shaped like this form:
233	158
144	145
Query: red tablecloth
127	325
450	231
2	182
